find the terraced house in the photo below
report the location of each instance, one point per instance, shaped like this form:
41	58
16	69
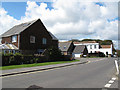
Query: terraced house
30	37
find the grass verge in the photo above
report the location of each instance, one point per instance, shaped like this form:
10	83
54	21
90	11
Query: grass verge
34	64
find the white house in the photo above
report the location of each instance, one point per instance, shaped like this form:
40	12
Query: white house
106	49
94	47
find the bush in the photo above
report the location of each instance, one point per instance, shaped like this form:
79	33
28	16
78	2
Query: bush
17	59
55	54
28	59
6	59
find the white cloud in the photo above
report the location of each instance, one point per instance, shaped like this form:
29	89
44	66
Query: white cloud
70	20
6	21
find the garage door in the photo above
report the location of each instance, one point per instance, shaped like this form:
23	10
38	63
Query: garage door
77	55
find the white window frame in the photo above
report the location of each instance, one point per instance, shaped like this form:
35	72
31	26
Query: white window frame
14	38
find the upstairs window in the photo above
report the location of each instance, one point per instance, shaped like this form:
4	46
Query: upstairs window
90	46
32	39
95	46
14	38
44	41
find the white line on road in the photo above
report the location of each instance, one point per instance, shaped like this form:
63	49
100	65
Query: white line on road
107	85
113	78
111	81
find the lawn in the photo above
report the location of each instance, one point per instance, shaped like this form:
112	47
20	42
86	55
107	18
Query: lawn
35	64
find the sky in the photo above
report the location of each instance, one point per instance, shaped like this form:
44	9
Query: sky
65	19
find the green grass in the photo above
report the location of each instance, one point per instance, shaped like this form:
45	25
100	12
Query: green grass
35	64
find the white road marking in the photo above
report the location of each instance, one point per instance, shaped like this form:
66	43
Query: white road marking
113	78
111	81
107	85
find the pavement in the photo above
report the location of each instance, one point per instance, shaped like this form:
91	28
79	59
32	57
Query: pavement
39	68
94	74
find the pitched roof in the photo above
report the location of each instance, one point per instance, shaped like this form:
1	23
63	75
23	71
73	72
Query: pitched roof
53	37
18	29
85	42
21	27
105	46
7	46
64	46
79	49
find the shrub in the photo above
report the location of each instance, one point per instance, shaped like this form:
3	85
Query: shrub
6	59
54	54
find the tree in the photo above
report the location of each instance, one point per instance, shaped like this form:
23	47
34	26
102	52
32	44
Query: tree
54	54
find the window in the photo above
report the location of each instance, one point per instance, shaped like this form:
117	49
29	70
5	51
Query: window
95	46
90	46
64	47
14	38
44	41
32	39
106	53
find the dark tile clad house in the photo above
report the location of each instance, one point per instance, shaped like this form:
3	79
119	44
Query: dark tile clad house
66	47
31	35
80	50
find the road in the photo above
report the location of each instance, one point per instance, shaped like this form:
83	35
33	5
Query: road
94	74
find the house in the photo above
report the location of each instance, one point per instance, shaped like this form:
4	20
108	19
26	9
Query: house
30	37
80	50
94	47
66	47
9	48
106	49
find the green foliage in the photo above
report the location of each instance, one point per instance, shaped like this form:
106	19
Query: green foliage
54	54
35	64
8	54
75	40
88	40
18	54
118	53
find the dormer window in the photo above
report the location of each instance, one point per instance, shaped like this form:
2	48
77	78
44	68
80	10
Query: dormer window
14	38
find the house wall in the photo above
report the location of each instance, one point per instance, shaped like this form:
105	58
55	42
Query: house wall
77	55
88	45
39	31
9	40
104	50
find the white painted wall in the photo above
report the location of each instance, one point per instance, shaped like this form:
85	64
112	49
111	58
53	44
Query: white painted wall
93	49
104	50
90	46
77	55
